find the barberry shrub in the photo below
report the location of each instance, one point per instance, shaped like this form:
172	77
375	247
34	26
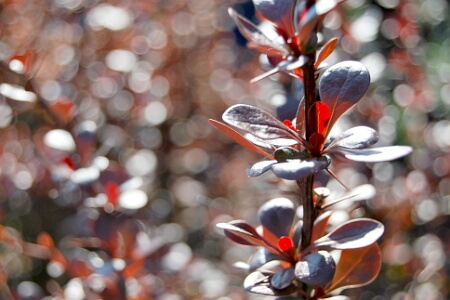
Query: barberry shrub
302	257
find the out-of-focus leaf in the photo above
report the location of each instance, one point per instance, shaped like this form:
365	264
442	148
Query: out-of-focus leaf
44	239
63	108
238	138
357	233
357	267
339	297
358	137
283	278
279	12
85	175
320	225
17	93
256	121
324	6
375	154
258	39
277	216
326	50
242	233
60	139
316	268
260	167
133	199
341	87
297	169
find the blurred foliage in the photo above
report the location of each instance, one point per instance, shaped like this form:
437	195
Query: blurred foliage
112	181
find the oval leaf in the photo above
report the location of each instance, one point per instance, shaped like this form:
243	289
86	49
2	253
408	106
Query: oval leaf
297	169
277	216
358	137
259	283
279	12
326	50
256	121
357	233
258	39
375	154
238	138
260	167
242	233
316	268
342	86
282	279
357	267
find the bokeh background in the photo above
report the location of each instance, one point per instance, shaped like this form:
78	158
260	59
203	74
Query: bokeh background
112	180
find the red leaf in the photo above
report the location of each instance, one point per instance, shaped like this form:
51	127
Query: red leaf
242	233
112	191
326	50
357	267
238	138
63	108
44	239
322	117
320	225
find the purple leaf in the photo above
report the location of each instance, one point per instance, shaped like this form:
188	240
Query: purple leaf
359	137
375	154
297	169
284	66
261	257
316	268
260	167
283	278
257	39
277	216
342	86
242	233
256	121
353	234
279	12
259	283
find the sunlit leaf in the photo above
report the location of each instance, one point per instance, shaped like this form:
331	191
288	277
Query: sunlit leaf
63	108
260	167
283	278
319	115
297	169
259	283
257	39
357	233
60	139
339	297
238	138
45	239
17	93
133	199
260	258
279	12
375	154
357	267
283	66
326	50
256	121
358	137
277	216
342	86
84	176
242	233
316	268
324	6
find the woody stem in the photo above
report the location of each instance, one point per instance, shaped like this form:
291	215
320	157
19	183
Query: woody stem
306	184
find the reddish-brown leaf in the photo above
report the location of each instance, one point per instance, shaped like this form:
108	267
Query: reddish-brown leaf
320	225
357	267
238	138
44	239
326	50
242	233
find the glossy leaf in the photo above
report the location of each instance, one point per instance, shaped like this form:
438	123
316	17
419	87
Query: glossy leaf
342	86
258	39
316	268
375	154
297	169
283	278
325	6
256	121
60	139
242	233
260	258
357	267
238	138
357	233
358	137
259	283
279	12
319	116
326	50
277	216
260	167
283	66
